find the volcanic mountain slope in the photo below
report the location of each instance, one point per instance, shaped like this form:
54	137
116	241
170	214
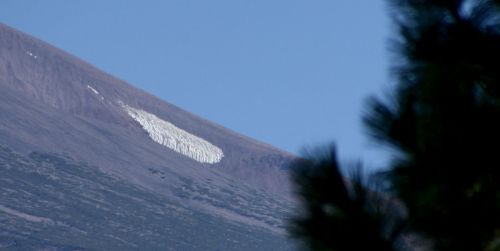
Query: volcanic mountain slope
90	162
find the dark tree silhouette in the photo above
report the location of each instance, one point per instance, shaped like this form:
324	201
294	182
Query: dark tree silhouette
444	120
339	214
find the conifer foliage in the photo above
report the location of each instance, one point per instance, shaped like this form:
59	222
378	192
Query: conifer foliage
443	121
341	214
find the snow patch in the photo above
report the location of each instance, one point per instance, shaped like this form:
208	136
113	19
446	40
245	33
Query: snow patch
92	89
167	134
31	54
25	216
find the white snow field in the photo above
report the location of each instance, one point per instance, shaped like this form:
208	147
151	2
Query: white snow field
167	134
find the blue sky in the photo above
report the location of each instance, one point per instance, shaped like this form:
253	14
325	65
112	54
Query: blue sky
287	72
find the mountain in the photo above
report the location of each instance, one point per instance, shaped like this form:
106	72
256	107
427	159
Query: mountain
89	162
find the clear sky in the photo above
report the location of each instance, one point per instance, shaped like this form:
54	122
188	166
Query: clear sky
287	72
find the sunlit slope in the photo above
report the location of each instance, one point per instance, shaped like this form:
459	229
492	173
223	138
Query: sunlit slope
120	139
40	75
